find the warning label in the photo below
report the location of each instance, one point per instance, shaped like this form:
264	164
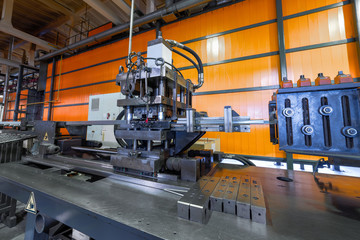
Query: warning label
46	137
31	204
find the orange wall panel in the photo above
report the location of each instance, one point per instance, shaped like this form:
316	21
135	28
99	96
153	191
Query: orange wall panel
326	26
327	60
223	19
295	6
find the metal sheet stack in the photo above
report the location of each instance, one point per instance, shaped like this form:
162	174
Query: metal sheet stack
242	197
11	146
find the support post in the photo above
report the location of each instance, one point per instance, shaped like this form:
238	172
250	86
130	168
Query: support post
356	13
158	29
281	39
51	88
18	92
7	78
289	161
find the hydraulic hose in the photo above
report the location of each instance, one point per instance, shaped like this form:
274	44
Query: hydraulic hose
187	58
192	52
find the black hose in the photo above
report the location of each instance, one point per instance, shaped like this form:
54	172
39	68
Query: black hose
192	52
200	64
241	159
187	58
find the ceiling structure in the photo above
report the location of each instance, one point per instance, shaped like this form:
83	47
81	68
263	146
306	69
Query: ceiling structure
53	24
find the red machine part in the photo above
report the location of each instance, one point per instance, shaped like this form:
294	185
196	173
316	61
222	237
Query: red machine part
343	78
303	82
322	80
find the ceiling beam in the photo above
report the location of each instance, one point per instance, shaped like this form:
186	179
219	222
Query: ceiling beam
123	6
104	10
60	8
7	27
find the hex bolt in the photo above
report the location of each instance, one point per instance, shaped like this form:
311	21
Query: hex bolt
236	129
288	112
351	132
327	109
307	130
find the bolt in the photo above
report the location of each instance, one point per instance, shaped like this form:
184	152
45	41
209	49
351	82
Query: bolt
351	131
236	129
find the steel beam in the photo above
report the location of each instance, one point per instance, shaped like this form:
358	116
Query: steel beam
281	39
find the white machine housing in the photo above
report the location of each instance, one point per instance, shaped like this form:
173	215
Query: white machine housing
103	107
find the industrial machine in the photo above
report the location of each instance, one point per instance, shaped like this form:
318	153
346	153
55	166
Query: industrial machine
154	125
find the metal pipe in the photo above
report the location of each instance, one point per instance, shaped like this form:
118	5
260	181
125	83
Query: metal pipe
51	88
131	29
176	7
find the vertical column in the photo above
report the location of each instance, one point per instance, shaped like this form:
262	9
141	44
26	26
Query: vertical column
18	92
289	161
281	39
356	12
51	88
7	77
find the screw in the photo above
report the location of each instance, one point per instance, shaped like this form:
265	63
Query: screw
236	129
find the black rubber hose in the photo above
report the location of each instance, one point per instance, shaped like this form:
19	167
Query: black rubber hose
187	58
241	159
192	52
200	64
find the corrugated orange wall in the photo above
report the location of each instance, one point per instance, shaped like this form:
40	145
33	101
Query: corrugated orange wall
330	25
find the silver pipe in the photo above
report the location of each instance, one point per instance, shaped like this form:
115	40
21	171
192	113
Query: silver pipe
176	7
131	29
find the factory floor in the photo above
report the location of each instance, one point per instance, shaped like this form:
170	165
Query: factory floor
18	232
